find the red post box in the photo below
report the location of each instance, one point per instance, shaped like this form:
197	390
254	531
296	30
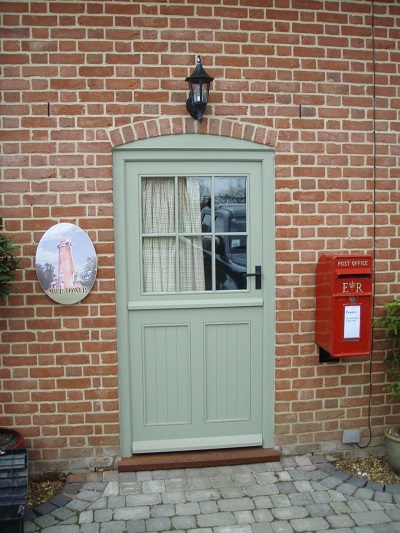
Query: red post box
343	321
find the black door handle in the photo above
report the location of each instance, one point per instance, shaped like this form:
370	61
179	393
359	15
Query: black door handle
256	274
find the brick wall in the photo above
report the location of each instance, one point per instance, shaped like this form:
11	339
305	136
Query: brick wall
81	77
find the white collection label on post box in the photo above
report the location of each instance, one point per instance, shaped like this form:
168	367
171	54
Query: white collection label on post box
352	316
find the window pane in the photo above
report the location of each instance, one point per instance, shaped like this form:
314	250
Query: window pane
231	262
191	266
158	205
194	195
230	190
159	264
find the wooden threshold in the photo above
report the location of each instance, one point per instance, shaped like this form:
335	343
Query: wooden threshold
196	459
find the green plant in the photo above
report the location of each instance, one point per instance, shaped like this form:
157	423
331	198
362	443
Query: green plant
391	322
8	263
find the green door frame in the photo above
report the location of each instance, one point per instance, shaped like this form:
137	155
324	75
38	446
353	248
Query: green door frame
189	147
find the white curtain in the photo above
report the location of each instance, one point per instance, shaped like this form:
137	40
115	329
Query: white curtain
191	264
159	251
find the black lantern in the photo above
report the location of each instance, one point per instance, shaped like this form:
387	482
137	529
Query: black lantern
199	86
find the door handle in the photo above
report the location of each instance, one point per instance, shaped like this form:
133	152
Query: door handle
256	274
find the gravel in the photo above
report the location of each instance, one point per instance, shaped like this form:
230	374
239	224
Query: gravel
375	469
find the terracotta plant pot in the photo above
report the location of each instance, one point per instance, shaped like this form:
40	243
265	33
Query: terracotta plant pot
393	451
10	439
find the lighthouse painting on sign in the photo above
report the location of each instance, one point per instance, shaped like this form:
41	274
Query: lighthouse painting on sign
66	263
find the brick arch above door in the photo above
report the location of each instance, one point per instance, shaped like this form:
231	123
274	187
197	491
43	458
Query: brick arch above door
155	127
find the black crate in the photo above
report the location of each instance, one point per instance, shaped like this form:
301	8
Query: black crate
12	518
13	489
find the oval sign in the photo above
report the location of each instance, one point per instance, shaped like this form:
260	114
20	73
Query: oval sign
66	263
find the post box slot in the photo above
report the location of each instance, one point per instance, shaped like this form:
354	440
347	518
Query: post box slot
359	272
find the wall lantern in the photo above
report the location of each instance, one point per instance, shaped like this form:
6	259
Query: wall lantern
199	87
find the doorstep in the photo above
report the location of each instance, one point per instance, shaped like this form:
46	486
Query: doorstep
196	459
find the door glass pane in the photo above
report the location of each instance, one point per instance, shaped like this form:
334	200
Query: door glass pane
194	195
230	233
194	233
159	264
158	205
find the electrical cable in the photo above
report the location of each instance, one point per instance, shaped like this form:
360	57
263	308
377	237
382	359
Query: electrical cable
374	209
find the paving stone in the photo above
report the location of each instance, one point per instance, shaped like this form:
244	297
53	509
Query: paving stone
274	467
258	467
263	502
286	487
236	504
340	521
102	503
29	527
309	524
158	524
377	487
202	495
234	529
158	511
63	529
281	527
303	460
370	517
280	500
261	528
289	513
154	485
45	508
178	484
303	486
242	480
60	500
260	490
244	517
346	488
63	513
112	488
132	513
266	477
357	481
183	522
190	508
341	476
112	527
89	495
263	515
103	515
46	521
209	507
393	489
330	482
232	492
383	497
216	519
220	482
86	517
320	509
89	528
173	497
200	483
136	526
364	494
143	499
143	475
301	498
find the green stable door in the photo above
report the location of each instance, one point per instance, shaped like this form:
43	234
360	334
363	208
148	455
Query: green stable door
192	279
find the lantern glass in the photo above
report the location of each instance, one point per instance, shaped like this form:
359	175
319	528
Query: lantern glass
199	87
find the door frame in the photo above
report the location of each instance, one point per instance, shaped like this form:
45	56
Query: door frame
188	147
